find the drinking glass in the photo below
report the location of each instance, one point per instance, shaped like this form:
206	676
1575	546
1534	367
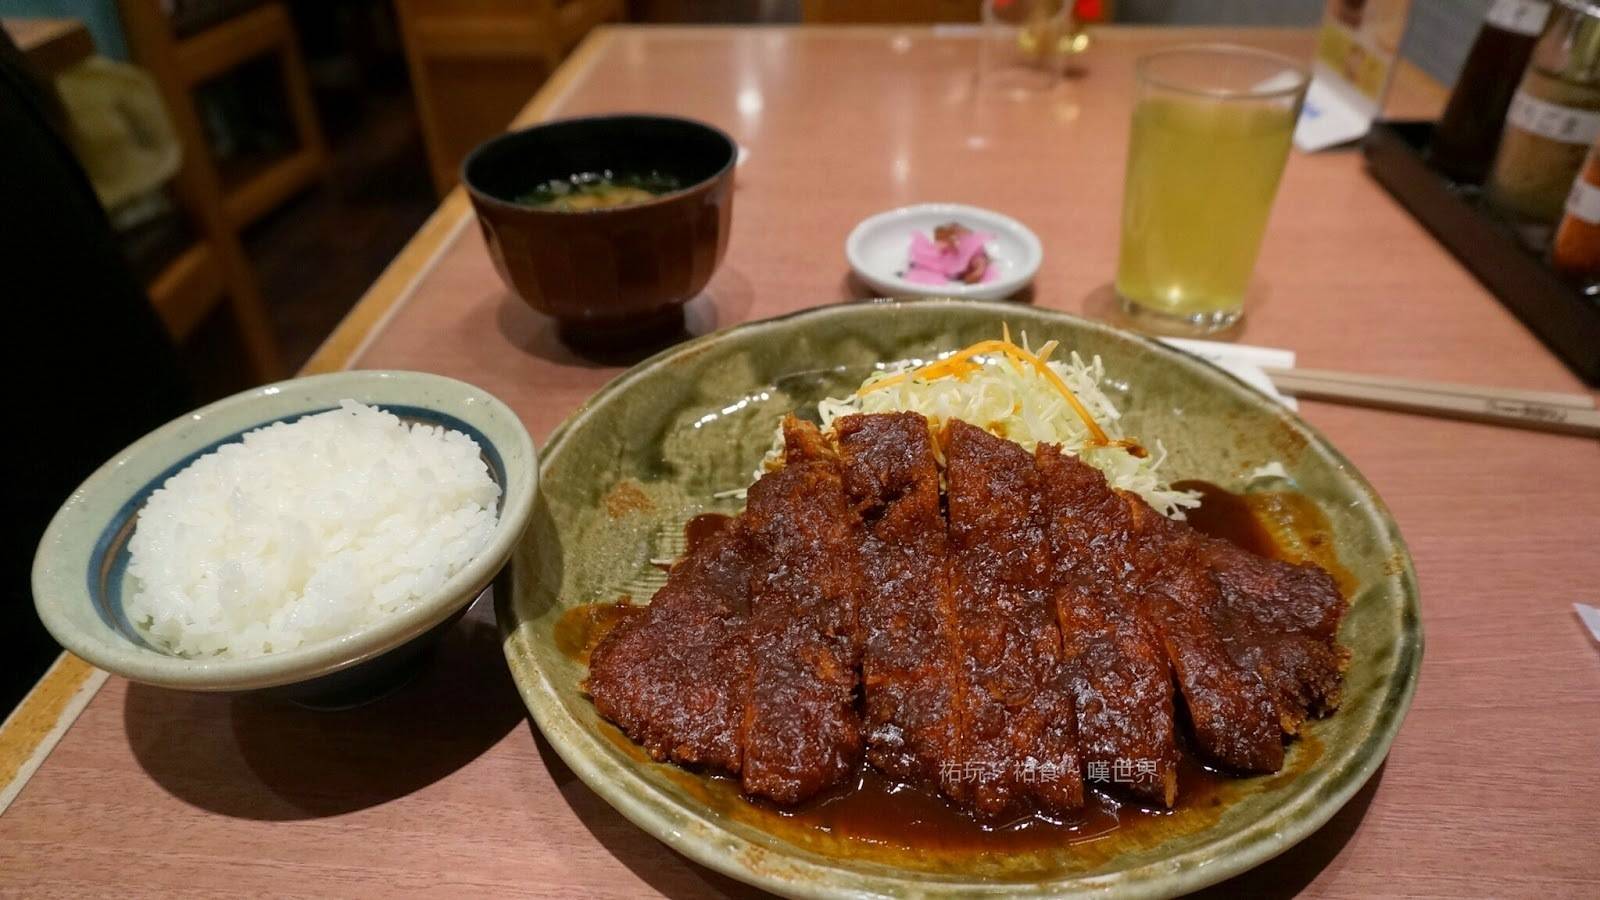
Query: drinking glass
1026	44
1211	132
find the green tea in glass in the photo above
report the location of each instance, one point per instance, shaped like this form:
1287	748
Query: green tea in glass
1211	132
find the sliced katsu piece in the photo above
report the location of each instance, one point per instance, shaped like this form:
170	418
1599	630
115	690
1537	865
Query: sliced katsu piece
911	663
672	677
801	730
1277	619
1020	722
1249	640
1232	715
1121	681
745	661
1282	620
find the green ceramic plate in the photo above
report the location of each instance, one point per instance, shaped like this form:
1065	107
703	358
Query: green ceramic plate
656	445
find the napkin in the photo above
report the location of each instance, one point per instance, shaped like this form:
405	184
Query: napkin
1243	362
1590	618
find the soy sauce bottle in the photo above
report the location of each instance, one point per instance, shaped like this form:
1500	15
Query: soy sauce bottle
1465	139
1553	119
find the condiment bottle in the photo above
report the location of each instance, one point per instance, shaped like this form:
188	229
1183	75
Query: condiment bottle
1464	141
1552	120
1576	249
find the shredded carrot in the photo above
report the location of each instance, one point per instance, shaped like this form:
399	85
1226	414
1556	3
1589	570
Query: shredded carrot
960	365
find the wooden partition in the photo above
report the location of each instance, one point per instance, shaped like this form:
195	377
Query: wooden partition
474	63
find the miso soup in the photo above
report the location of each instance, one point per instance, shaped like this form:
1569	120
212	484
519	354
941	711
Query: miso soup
599	190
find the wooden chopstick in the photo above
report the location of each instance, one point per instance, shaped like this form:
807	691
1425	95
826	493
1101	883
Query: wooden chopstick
1540	410
1549	398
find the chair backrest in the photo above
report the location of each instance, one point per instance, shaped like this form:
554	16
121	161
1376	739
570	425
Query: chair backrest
218	263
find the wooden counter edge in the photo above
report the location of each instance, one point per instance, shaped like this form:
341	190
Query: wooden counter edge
44	715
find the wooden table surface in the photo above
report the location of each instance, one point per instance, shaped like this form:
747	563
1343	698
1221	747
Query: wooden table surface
1492	789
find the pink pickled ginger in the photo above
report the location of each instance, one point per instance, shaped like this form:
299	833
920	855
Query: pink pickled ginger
959	257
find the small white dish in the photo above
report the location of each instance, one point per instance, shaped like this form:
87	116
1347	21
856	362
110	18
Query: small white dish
879	249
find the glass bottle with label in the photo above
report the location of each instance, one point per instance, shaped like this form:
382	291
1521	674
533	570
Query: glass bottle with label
1464	140
1576	249
1553	119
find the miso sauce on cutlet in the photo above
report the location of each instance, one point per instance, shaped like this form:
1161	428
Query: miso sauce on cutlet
875	818
877	811
1226	515
702	528
872	812
581	628
1283	525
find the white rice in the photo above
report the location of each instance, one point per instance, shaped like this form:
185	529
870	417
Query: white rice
303	532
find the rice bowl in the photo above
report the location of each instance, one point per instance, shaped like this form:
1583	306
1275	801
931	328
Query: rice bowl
83	586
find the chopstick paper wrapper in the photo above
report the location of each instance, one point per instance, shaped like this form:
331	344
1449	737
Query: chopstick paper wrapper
1243	362
1568	413
1590	617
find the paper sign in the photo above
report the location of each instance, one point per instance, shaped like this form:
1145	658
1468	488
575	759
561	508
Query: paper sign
1357	48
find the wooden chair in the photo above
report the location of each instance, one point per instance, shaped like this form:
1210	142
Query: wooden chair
475	63
180	65
216	265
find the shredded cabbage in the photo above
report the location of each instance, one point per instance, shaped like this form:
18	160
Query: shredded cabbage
1011	398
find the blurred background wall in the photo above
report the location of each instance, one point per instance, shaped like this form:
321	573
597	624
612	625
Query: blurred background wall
1441	33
